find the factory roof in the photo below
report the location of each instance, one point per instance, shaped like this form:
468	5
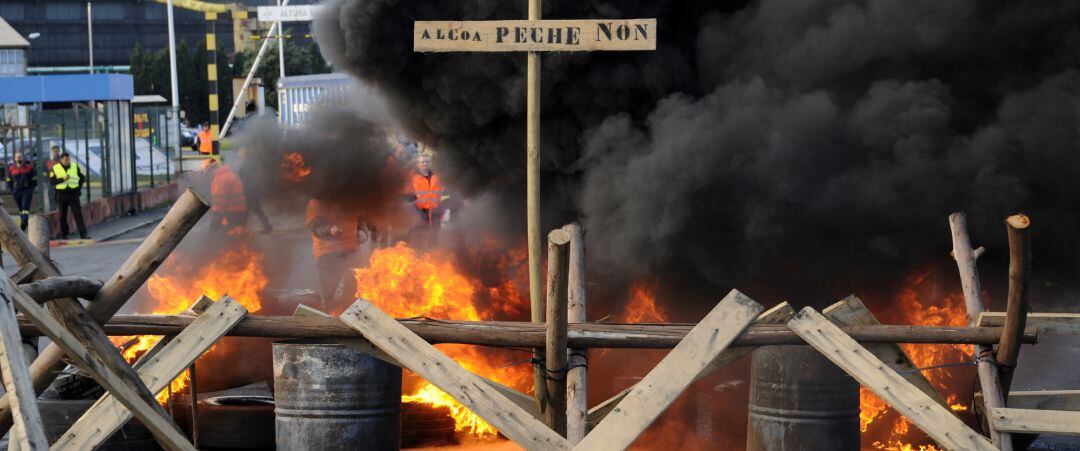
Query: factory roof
9	38
66	88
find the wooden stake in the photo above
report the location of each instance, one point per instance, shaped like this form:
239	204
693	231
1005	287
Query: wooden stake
29	432
969	280
438	369
1016	312
936	421
577	380
107	415
532	200
658	389
149	413
39	231
76	321
555	344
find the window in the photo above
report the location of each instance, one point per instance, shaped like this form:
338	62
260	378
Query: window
109	12
153	11
12	12
12	63
64	11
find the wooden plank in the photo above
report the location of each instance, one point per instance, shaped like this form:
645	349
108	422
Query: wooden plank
1030	421
969	281
556	329
1047	323
438	369
851	311
534	35
1041	399
779	314
658	389
933	419
577	380
200	306
29	432
108	415
165	431
25	274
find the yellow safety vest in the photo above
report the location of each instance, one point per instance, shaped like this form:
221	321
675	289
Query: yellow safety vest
72	171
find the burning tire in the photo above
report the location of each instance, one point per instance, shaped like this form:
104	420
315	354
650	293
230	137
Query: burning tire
423	425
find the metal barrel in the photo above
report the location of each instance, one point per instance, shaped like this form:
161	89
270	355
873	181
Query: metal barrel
331	397
799	400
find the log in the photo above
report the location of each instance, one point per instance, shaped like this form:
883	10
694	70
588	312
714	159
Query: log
77	322
526	334
50	288
577	380
969	281
29	432
555	339
1046	323
39	231
1017	309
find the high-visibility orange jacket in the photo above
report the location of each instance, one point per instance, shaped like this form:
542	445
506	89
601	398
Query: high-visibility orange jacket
321	217
206	142
428	191
227	192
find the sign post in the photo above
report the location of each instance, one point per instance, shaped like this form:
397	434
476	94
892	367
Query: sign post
534	36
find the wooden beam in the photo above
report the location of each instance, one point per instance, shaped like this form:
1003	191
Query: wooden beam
446	374
532	201
77	322
25	274
577	378
556	320
525	334
1046	323
164	430
852	312
522	400
1016	312
1042	399
673	374
969	281
29	432
204	302
933	419
50	288
108	415
1035	421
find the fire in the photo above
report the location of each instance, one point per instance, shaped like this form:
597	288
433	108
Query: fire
178	284
406	284
294	167
642	306
917	303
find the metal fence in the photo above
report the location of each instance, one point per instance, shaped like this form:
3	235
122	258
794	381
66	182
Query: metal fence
121	147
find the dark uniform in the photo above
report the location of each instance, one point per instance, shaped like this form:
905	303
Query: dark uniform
68	182
22	179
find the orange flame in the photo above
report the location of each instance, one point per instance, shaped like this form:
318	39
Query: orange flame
294	167
642	306
916	303
406	284
174	287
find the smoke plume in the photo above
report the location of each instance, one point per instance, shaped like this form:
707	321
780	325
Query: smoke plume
820	143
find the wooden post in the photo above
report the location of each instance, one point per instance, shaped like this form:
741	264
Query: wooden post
532	198
76	321
29	432
969	280
577	380
149	413
183	215
555	343
39	231
1016	313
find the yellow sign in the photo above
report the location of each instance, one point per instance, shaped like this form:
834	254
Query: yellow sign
535	35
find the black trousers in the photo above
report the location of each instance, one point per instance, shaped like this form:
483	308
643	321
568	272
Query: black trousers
68	199
23	199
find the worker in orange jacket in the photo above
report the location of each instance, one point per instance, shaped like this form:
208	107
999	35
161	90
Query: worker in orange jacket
228	203
427	196
335	233
206	139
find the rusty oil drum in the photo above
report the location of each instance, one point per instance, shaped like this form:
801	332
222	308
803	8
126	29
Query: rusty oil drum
799	400
331	397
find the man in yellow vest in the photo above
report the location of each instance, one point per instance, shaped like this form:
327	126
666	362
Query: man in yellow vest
68	179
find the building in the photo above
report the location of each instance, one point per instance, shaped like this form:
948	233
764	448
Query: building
13	50
117	26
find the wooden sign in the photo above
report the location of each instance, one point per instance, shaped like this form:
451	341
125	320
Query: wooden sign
535	35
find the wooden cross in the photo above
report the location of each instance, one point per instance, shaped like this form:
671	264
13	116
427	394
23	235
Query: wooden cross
534	36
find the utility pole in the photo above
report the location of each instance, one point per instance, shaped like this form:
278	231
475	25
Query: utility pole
90	33
281	58
173	83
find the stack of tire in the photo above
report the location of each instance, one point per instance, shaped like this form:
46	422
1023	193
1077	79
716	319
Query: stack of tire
423	425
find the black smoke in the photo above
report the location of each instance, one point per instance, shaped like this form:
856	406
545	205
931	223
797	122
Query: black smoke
806	148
